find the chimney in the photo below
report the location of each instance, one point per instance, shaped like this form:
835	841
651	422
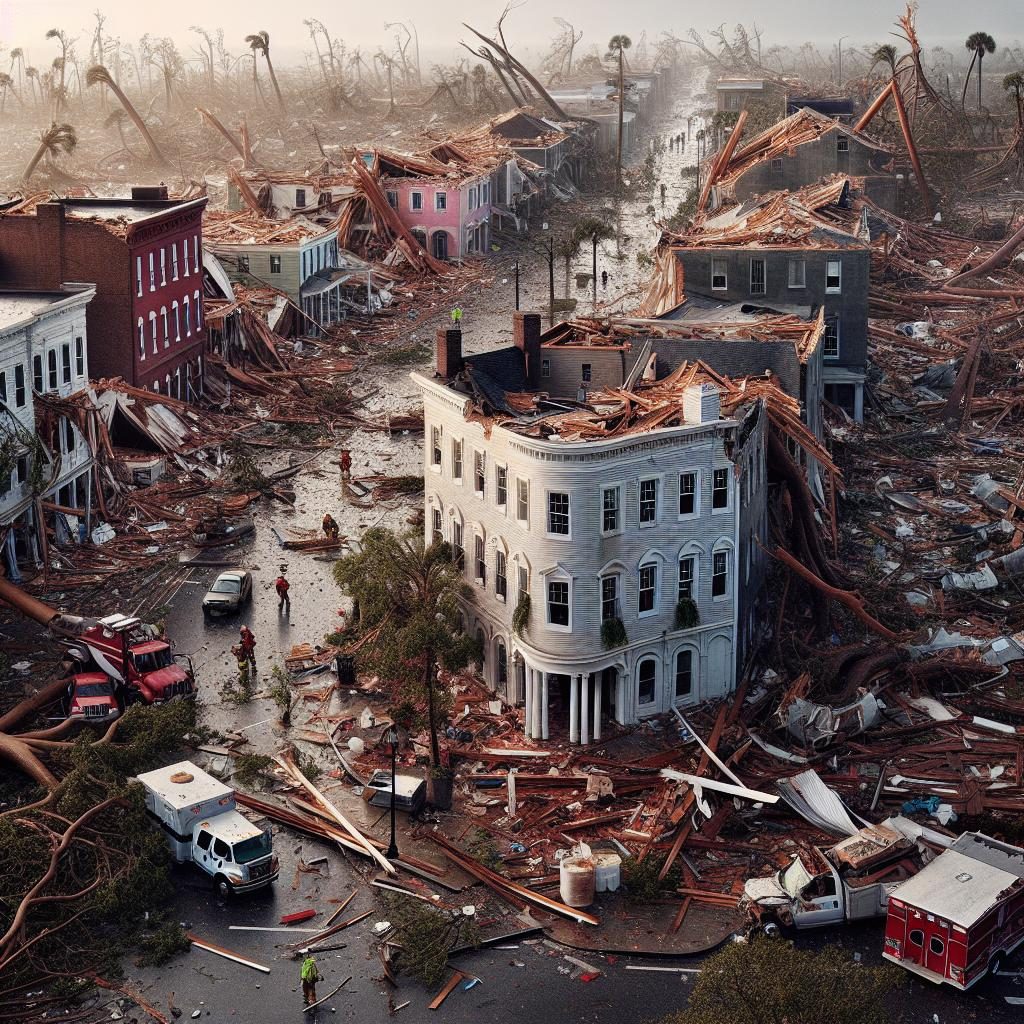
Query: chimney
701	404
50	223
526	331
142	193
448	353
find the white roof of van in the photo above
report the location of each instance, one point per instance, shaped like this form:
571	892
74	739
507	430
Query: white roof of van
179	795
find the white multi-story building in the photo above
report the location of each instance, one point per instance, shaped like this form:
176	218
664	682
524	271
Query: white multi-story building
625	522
43	456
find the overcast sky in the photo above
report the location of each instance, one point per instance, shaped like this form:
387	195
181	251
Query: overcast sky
24	22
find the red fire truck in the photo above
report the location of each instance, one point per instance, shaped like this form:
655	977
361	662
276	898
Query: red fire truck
962	915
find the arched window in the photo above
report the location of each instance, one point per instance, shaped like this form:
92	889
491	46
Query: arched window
51	370
199	312
167	384
188	318
152	331
167	330
686	667
501	677
176	311
482	641
142	339
646	680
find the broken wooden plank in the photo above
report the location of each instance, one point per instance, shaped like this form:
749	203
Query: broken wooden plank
449	987
226	953
334	917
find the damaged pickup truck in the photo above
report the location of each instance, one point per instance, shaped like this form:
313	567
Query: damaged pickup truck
846	882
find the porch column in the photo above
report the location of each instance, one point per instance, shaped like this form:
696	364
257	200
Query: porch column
597	706
621	715
858	402
544	706
585	709
528	716
574	709
537	678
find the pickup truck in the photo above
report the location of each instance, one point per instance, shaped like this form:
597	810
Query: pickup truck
203	827
846	882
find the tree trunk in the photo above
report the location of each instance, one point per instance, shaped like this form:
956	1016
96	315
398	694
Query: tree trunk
594	244
618	146
981	56
967	81
154	149
273	81
30	170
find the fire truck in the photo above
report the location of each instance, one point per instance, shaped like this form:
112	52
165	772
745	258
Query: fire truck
962	915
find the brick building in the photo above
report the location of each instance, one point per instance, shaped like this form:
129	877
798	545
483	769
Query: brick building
144	254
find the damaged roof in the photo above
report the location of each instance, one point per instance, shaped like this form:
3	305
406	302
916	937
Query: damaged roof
243	228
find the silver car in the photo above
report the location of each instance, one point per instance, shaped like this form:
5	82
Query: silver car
231	590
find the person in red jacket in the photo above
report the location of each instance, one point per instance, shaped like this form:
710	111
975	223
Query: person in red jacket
281	585
248	645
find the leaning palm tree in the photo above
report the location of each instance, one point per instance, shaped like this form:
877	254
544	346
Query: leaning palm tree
56	139
979	43
261	41
116	119
99	75
7	86
1015	83
617	46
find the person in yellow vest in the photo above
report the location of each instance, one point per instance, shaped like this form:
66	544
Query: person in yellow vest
310	976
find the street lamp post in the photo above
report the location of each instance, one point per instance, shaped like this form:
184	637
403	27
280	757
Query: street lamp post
841	38
391	738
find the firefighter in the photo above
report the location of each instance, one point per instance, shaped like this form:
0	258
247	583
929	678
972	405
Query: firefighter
248	645
242	661
281	585
310	976
331	528
346	464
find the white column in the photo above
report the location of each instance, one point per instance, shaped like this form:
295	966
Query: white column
585	709
528	716
621	713
537	676
858	402
597	706
574	709
544	706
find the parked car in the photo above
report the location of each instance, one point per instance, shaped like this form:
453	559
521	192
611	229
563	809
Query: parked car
230	591
91	698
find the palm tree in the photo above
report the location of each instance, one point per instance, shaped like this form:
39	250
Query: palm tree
7	85
979	43
99	75
18	58
261	41
617	46
594	230
56	139
885	54
32	74
1015	82
116	118
65	44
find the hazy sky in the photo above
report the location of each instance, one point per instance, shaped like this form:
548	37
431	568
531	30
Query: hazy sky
24	22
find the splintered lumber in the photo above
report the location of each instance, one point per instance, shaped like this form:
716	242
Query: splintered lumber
226	953
329	994
347	900
449	987
294	773
505	886
328	932
683	908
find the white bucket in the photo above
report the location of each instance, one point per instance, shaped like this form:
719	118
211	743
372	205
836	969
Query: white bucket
576	881
607	871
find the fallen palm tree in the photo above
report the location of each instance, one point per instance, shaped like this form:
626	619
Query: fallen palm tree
99	75
58	138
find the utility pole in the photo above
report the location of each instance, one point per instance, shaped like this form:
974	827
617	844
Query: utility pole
551	281
618	157
841	38
517	283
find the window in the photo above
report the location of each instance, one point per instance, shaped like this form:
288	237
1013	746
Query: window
440	201
842	144
416	201
458	551
558	513
648	502
195	253
275	264
645	677
221	849
830	339
523	500
833	276
175	309
545	367
167	327
502	664
777	165
479	473
687	494
436	526
648	590
199	311
524	582
916	937
609	598
757	276
174	261
479	559
204	839
435	446
243	263
138	276
152	274
719	275
188	321
19	386
142	339
610	509
936	945
3	386
79	357
472	198
684	674
69	435
22	470
485	192
392	198
797	274
587	374
37	374
501	485
558	603
300	197
163	266
687	574
720	489
500	577
65	364
720	574
51	369
457	460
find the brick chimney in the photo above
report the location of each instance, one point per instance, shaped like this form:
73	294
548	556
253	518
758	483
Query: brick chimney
50	224
448	353
526	332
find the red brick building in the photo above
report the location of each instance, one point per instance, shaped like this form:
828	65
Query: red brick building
145	256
